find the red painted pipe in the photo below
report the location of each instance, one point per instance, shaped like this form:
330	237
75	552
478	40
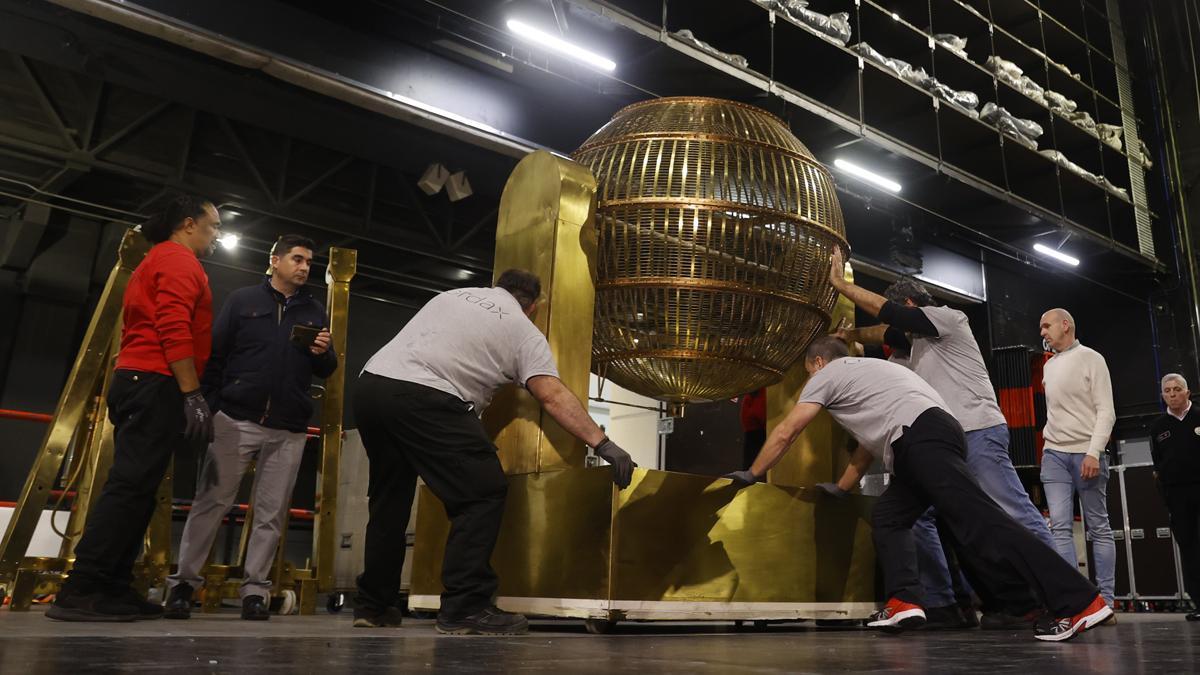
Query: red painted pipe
27	416
313	432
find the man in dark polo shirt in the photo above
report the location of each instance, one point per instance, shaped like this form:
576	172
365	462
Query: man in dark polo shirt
1175	447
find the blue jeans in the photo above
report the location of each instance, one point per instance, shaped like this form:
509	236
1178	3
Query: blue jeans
1060	479
989	462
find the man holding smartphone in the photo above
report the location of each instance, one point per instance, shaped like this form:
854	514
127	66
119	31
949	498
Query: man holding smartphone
268	341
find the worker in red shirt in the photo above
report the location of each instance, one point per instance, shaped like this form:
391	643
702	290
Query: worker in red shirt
754	424
155	405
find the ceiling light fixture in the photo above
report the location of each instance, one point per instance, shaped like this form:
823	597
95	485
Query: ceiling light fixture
549	41
229	241
1056	254
869	176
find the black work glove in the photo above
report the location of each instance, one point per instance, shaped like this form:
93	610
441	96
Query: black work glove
622	463
197	416
832	490
742	478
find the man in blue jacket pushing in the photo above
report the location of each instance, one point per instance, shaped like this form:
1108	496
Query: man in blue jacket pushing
268	342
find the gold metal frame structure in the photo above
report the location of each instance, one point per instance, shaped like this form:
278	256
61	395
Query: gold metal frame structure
672	545
79	437
715	227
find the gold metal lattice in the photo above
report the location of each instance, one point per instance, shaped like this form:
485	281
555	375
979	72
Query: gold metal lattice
715	230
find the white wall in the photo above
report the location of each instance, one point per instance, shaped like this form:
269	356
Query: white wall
634	429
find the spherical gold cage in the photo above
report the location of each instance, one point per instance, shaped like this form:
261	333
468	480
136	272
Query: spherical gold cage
715	229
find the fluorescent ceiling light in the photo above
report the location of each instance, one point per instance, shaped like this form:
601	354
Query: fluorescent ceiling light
559	45
1056	254
229	241
869	176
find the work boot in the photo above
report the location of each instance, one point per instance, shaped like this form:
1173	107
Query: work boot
370	617
254	608
90	605
179	602
1003	621
489	621
949	617
146	610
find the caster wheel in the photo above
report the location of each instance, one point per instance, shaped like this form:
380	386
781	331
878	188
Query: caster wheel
335	603
288	604
599	626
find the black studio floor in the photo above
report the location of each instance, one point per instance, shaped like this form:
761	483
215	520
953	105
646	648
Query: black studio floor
218	643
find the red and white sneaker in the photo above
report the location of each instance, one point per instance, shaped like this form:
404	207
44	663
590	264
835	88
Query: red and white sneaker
1055	630
897	615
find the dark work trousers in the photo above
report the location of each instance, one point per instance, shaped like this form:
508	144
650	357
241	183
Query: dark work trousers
930	470
1183	503
753	442
411	430
146	410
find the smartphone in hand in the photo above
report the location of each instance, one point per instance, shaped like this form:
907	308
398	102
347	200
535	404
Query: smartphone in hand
303	336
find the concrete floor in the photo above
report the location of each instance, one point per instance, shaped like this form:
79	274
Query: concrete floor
30	643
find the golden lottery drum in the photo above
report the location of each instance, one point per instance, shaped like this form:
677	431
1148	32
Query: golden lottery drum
715	229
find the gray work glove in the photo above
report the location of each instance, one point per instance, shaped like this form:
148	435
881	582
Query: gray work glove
742	478
622	463
198	417
832	490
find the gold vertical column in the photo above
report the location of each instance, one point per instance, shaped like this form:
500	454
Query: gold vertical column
71	412
546	226
343	263
818	454
97	459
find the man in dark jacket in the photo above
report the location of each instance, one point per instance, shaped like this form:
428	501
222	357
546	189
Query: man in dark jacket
268	342
1175	447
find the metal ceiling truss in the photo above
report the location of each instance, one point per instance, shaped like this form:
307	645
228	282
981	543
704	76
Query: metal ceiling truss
286	187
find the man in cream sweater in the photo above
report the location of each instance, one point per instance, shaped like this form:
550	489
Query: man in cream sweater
1079	420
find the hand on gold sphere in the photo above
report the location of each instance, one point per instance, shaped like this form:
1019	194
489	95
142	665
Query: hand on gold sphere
837	268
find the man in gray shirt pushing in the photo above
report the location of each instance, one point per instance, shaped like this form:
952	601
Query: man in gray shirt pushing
417	404
945	354
897	417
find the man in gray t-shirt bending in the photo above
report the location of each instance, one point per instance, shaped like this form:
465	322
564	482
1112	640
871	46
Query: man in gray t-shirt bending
897	417
945	354
417	404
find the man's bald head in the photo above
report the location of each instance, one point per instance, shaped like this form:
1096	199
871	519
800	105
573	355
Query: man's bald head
1058	328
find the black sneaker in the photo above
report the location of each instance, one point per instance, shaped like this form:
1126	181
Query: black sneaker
370	617
970	616
254	608
91	606
179	602
489	621
146	610
949	617
1002	621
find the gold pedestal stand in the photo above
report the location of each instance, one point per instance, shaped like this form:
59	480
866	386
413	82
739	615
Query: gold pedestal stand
671	546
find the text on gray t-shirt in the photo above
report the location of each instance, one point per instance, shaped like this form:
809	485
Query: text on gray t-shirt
467	342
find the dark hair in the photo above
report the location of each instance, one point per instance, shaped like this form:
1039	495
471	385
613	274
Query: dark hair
288	242
524	286
828	348
169	213
906	288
